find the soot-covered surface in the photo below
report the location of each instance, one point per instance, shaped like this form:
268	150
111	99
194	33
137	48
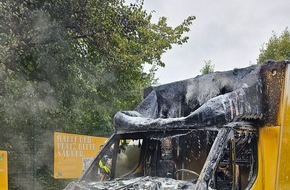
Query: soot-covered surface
208	100
145	183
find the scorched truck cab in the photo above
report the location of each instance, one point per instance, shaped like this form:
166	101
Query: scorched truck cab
223	130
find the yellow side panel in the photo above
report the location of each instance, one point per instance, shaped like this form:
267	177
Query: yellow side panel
3	170
267	157
283	172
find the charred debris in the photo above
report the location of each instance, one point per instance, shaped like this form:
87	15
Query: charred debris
211	100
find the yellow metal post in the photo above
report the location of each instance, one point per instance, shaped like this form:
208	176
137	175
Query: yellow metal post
3	170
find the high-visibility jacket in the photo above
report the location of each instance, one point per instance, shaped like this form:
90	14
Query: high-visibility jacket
104	167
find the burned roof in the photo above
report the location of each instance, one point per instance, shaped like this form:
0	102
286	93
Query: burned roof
215	99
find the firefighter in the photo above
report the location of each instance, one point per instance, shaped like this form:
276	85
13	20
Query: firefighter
105	165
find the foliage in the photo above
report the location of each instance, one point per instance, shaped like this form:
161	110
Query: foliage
69	66
277	48
207	68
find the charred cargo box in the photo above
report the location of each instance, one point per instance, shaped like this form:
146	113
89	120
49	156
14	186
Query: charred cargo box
200	133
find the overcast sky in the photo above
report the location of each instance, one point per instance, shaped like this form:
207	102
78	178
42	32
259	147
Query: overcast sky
230	33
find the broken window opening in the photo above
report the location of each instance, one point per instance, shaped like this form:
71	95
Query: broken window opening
222	158
237	167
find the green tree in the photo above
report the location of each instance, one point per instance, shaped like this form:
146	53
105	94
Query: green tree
277	48
70	66
105	42
207	68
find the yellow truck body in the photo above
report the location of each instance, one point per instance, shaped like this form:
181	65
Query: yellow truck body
274	146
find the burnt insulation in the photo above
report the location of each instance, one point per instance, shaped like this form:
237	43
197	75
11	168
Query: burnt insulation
215	99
